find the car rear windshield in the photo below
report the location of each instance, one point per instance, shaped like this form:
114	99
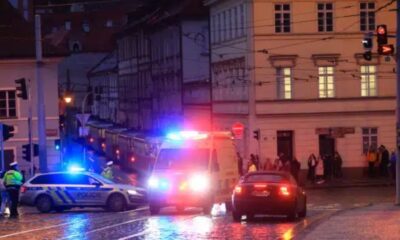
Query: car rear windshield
183	159
274	178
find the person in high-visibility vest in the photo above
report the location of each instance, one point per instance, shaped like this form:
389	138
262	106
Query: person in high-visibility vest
108	172
13	181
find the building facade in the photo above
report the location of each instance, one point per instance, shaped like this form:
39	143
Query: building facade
295	72
163	65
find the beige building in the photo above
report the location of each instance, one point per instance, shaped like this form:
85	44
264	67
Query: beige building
295	71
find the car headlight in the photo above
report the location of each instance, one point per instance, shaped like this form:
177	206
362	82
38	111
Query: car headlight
132	192
199	183
153	182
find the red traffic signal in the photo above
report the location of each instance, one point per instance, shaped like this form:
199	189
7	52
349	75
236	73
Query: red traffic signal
237	130
381	32
386	49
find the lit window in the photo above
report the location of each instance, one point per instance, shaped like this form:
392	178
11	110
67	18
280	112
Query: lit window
282	18
68	25
86	27
369	139
368	81
325	17
367	16
109	23
284	82
8	104
326	84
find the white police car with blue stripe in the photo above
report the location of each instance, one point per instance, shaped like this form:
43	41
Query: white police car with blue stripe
64	190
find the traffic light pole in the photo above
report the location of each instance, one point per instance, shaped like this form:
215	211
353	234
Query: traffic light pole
40	95
31	151
2	147
398	104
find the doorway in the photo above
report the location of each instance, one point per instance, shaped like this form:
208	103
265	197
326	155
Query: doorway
285	143
326	145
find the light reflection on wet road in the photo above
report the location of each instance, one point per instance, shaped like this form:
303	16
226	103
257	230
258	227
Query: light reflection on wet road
192	224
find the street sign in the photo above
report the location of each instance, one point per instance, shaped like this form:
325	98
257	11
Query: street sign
237	130
83	131
83	118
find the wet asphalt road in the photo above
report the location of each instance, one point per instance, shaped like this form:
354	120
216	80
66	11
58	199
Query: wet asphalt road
191	224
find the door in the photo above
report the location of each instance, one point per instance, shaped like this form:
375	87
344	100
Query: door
285	143
326	145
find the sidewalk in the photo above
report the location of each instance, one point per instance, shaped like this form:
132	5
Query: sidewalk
346	182
380	221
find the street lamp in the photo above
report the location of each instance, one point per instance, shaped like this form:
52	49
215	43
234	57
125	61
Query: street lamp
67	97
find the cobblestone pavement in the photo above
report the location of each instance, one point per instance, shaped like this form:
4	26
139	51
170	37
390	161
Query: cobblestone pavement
192	224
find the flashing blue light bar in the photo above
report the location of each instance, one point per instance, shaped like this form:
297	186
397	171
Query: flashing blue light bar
75	168
187	135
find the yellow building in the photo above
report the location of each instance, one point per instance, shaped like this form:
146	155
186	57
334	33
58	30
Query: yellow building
295	71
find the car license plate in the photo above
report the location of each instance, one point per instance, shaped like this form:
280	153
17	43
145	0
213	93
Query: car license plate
261	193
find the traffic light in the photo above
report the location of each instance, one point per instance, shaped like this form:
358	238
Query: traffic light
8	132
256	134
26	151
368	44
386	49
381	33
22	91
57	144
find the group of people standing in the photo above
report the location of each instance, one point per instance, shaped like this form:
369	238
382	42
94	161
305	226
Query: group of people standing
380	161
281	163
324	167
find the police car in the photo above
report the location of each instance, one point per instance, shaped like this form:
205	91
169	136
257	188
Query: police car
64	190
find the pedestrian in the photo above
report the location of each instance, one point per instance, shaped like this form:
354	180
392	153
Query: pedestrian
3	196
392	165
384	161
295	167
13	181
252	167
240	164
268	166
108	172
312	163
319	171
371	159
337	165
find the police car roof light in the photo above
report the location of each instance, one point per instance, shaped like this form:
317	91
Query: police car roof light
75	169
188	135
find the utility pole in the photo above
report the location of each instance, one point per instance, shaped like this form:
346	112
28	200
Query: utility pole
30	127
398	103
2	148
40	96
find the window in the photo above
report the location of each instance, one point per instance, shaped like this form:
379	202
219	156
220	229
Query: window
235	23
86	26
109	23
367	16
282	18
368	81
325	17
214	29
242	14
8	107
369	139
219	28
326	85
284	82
67	25
224	28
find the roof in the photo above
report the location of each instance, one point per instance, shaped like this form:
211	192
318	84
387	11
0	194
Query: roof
17	36
108	64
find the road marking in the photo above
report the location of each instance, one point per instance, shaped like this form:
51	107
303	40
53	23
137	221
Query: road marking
135	235
63	224
111	226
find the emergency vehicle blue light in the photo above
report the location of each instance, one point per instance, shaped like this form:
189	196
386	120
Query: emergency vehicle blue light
75	168
189	135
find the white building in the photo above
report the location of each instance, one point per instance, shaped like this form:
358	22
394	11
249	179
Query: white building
294	70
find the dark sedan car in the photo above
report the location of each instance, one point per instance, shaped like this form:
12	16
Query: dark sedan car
270	193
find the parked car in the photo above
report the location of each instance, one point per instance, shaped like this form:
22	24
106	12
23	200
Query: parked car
270	193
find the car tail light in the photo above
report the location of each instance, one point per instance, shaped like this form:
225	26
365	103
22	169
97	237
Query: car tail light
23	189
238	190
284	190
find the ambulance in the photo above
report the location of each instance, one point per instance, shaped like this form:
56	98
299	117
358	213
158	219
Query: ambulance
193	169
